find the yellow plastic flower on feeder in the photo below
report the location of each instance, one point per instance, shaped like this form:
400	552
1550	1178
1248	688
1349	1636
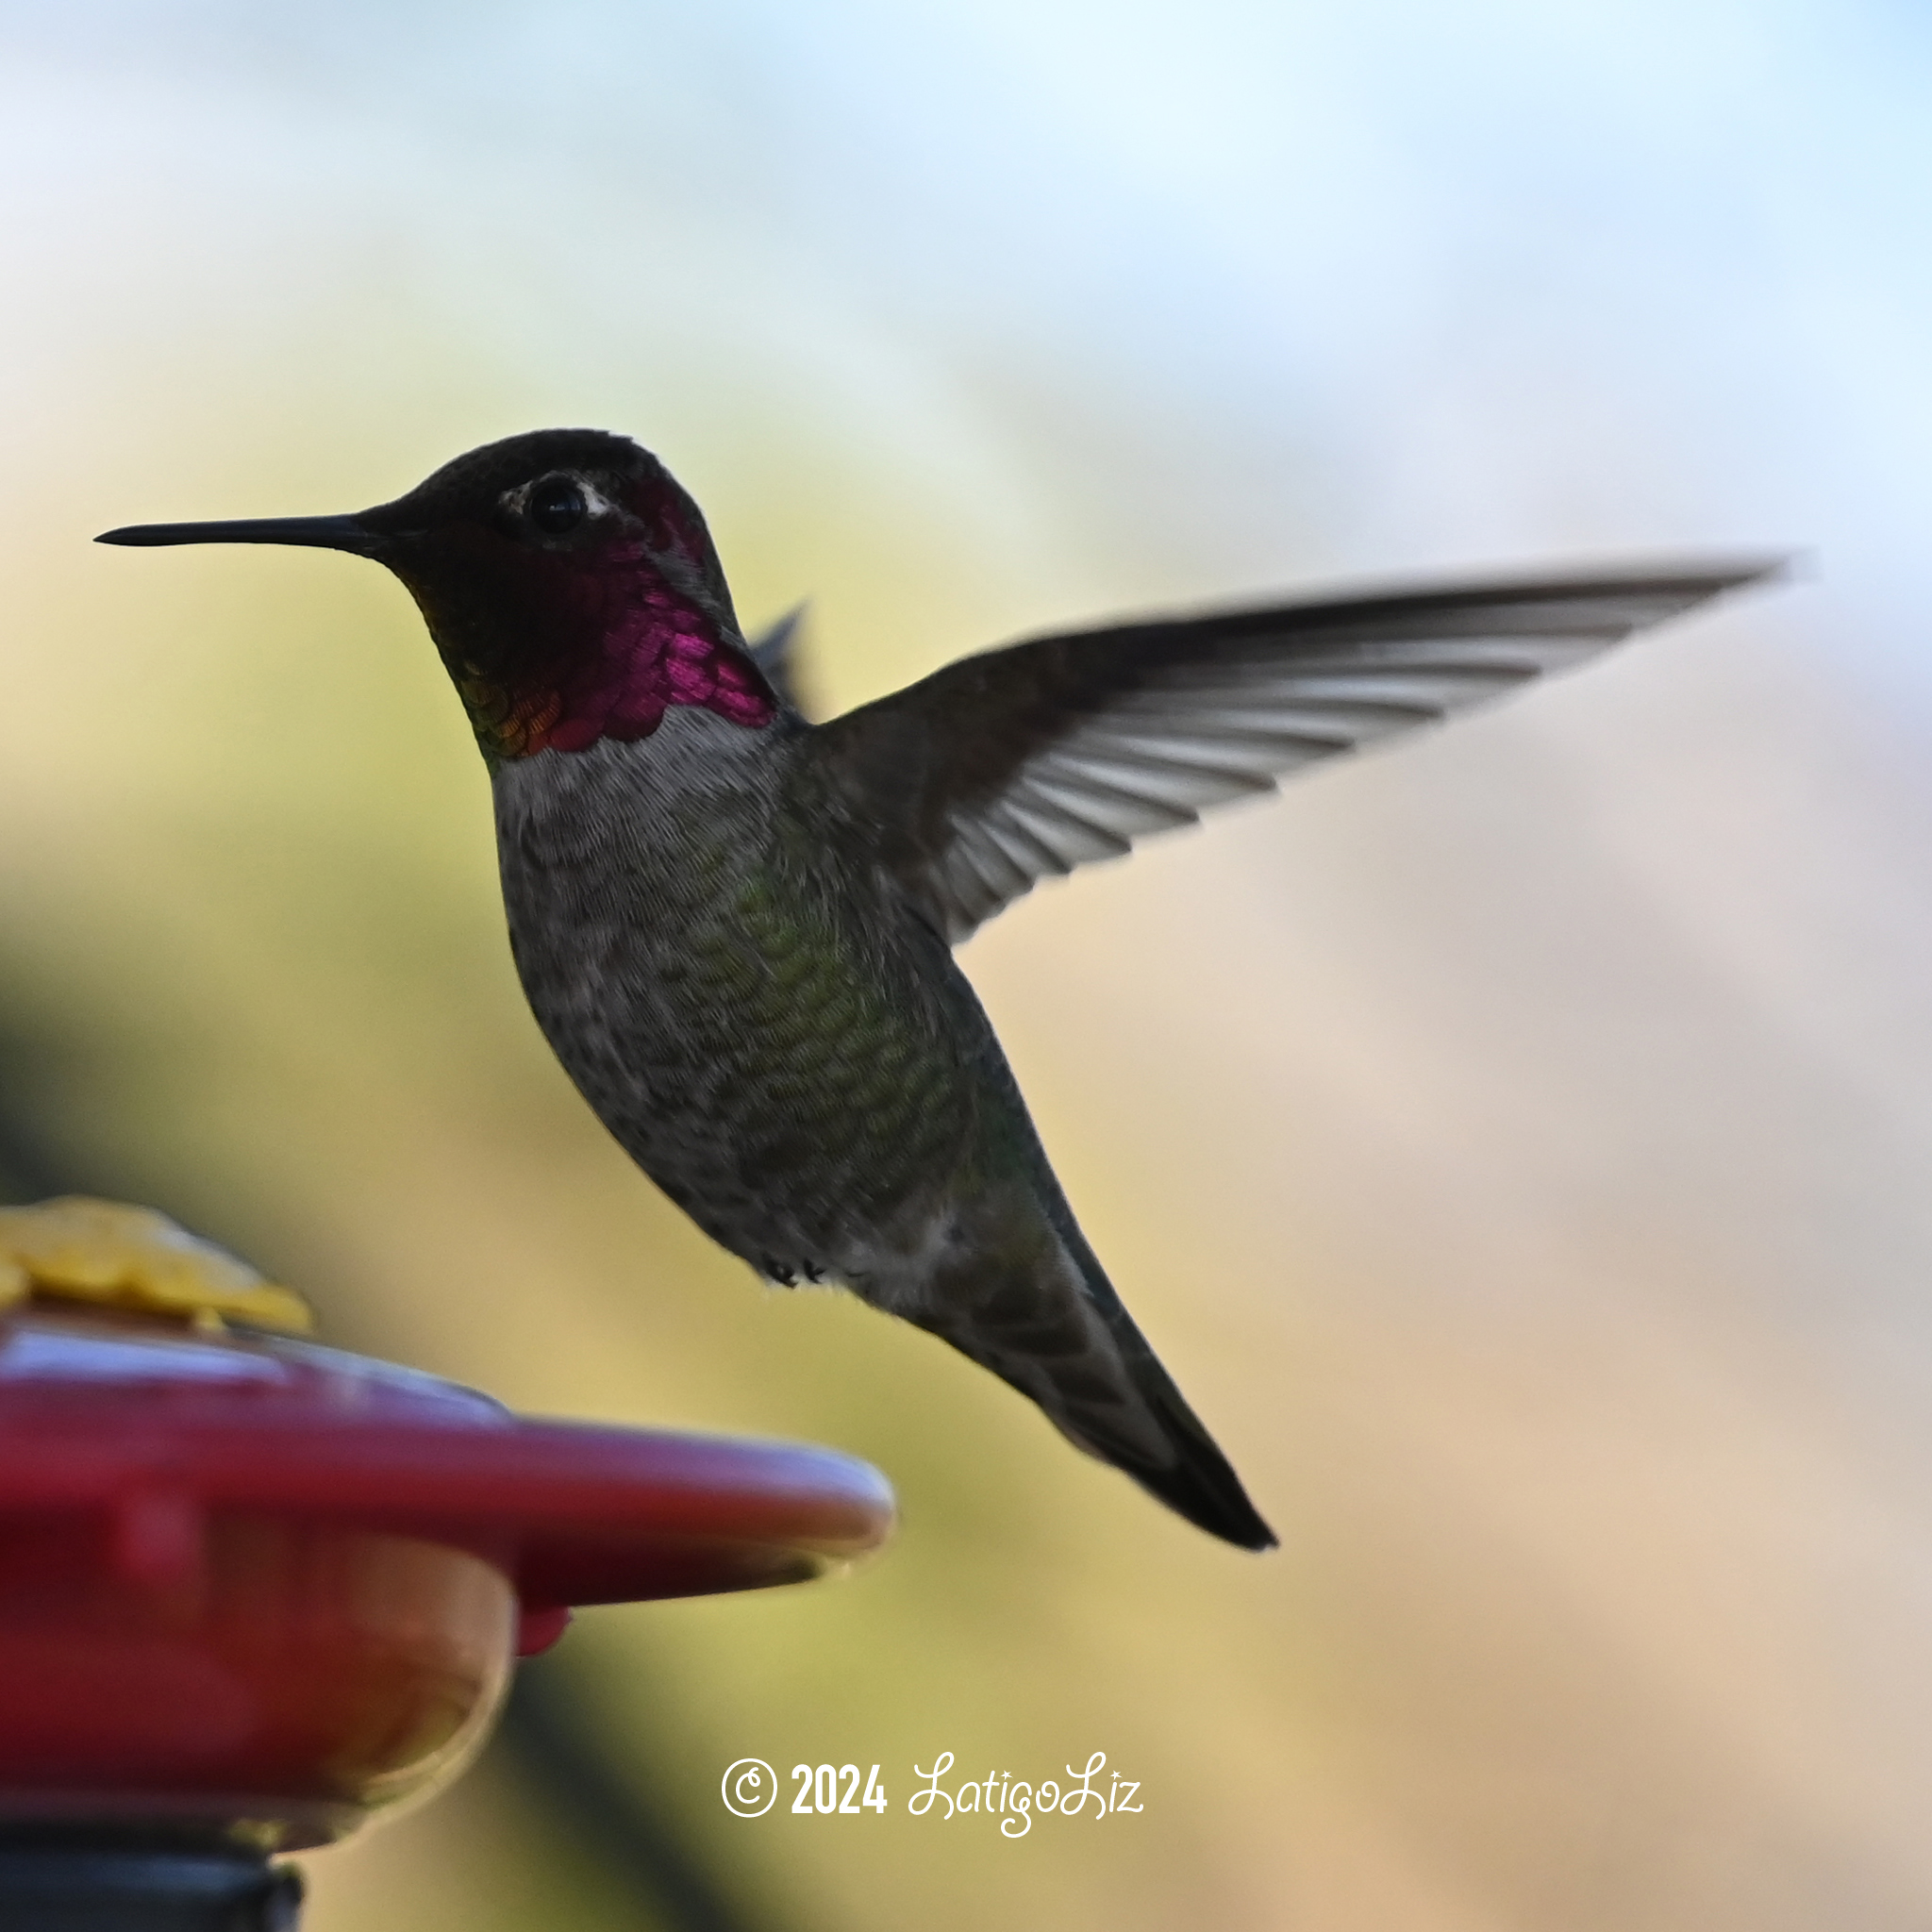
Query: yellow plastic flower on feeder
105	1252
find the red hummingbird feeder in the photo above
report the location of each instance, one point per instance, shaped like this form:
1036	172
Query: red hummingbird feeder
254	1591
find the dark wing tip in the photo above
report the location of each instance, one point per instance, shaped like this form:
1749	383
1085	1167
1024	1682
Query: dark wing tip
776	654
1772	567
1685	581
1688	572
1694	579
1668	585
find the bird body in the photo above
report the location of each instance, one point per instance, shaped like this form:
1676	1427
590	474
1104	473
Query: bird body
785	1057
735	926
795	1060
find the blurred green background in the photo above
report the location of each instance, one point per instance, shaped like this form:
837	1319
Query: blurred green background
1514	1144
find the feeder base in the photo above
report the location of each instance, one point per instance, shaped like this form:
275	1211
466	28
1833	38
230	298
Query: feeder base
63	1882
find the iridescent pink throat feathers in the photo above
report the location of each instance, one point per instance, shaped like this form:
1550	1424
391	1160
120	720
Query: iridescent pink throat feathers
629	647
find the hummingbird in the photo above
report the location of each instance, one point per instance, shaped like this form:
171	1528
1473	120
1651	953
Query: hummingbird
736	926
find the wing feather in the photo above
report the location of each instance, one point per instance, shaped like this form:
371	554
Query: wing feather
1026	763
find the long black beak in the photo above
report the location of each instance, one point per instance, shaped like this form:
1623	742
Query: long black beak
317	533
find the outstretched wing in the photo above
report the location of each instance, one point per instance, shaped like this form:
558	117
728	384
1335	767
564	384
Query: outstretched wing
983	778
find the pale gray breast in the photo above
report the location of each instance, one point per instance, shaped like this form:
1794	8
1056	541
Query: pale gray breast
755	1019
622	862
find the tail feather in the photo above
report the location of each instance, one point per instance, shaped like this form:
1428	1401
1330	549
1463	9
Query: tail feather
1060	1336
1199	1482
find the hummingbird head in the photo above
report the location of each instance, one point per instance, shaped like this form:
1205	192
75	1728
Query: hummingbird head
570	584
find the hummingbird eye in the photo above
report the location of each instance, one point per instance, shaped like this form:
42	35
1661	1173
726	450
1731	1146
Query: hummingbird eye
556	505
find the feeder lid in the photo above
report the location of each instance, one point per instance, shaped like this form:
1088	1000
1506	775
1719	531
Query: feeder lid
119	1405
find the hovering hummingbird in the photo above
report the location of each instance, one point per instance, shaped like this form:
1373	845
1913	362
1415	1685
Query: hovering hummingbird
736	926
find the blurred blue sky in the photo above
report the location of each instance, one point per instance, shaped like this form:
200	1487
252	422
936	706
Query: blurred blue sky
1433	255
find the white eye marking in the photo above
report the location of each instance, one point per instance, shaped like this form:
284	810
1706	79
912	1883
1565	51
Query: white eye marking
516	502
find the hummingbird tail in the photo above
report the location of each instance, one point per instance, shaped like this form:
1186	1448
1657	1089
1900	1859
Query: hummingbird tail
1200	1481
1061	1336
